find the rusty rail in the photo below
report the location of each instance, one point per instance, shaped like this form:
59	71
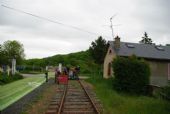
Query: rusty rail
91	100
62	100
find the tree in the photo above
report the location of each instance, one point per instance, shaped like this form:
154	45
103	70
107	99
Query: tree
13	49
98	50
3	58
146	39
1	54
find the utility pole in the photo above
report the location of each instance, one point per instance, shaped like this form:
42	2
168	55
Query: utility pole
111	26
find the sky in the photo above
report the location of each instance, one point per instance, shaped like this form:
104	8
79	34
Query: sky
42	38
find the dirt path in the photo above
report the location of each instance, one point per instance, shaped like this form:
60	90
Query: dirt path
40	105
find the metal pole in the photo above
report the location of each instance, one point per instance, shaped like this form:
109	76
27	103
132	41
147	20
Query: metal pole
111	26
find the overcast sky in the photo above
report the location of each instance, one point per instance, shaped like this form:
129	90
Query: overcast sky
42	38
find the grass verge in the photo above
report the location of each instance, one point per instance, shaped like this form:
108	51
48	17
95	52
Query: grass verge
121	103
11	92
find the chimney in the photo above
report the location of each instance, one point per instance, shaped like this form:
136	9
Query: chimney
117	42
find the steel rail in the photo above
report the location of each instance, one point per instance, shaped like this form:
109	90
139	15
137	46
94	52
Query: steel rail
92	102
62	100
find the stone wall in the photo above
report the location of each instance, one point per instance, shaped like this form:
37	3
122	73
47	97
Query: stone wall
159	72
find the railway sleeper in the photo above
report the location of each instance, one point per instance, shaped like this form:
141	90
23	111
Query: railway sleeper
78	103
51	112
53	107
77	100
78	106
76	97
78	112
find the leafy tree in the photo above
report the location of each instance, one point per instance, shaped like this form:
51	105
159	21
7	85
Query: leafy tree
146	39
0	48
13	49
1	54
3	58
98	50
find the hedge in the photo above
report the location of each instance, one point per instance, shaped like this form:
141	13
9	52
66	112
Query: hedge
4	78
131	75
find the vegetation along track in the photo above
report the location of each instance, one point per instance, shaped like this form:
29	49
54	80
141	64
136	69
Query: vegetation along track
75	98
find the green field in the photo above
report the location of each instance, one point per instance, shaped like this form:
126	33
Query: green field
11	92
121	103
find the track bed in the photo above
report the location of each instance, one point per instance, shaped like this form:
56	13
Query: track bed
74	98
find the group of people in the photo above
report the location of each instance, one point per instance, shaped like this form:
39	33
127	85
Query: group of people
72	73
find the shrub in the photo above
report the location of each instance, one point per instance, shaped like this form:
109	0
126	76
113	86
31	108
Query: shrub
4	78
131	74
165	92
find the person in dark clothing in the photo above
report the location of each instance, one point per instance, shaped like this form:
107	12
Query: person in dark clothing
68	69
77	70
56	75
46	76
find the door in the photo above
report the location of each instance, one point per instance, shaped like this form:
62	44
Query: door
169	71
109	69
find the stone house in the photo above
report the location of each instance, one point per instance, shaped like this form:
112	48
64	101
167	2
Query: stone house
158	58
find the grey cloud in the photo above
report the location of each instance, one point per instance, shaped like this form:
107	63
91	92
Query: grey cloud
42	36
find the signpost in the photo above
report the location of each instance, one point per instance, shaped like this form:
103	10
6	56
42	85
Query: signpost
13	66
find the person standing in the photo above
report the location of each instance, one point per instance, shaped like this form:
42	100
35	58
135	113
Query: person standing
57	73
46	73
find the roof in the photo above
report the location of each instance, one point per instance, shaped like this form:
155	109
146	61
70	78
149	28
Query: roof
142	50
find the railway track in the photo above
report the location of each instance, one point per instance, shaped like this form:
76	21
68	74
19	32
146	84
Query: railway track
74	98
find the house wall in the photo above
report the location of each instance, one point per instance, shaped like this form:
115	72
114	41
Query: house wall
108	59
159	72
159	69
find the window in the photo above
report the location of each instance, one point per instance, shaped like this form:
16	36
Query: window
169	71
110	51
130	45
161	48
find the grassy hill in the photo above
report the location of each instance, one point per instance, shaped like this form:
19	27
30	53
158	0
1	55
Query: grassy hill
82	59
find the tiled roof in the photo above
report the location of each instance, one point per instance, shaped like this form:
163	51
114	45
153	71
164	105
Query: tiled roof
143	50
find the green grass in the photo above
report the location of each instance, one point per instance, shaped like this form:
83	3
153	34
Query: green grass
10	93
121	103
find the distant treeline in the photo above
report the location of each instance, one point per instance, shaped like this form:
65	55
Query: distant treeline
82	59
90	61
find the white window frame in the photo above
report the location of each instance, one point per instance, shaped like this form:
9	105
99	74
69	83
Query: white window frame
168	71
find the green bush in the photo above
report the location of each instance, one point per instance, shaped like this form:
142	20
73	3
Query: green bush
165	92
4	78
131	75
